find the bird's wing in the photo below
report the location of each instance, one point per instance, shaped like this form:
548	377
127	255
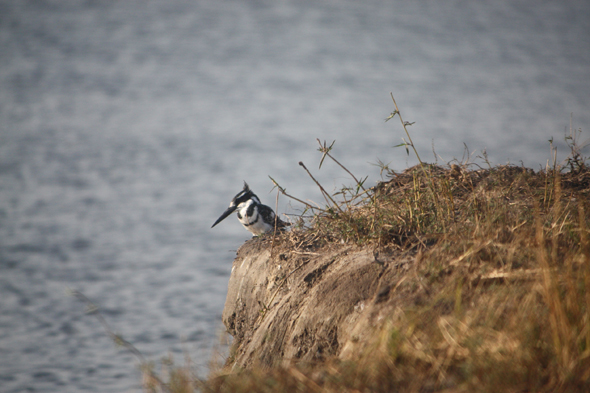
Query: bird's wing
268	215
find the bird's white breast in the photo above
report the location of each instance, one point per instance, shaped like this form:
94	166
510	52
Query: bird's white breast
253	223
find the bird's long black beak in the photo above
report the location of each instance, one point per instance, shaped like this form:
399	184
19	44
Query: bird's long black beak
226	213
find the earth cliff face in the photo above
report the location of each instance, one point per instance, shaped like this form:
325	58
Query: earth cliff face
480	284
306	306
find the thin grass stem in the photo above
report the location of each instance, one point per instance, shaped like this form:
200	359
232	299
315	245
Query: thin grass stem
326	195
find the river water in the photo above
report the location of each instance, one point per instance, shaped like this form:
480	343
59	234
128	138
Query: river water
127	126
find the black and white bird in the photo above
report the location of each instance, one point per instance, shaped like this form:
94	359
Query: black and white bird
254	216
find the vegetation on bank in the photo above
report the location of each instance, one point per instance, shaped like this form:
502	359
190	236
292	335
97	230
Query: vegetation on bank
496	296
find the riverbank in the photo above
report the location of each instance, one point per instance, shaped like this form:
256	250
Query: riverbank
439	279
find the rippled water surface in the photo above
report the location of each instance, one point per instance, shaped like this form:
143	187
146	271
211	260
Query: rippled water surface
127	126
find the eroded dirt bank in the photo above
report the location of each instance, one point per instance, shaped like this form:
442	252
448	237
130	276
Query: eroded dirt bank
481	284
306	306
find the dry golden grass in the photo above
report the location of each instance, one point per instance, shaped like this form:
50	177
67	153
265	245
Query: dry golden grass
497	298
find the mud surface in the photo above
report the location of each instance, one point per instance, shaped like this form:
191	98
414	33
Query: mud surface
305	306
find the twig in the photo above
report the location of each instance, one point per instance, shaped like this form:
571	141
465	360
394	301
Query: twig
321	188
274	234
325	150
404	125
284	192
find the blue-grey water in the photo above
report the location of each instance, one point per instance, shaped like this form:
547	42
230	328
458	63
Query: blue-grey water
127	126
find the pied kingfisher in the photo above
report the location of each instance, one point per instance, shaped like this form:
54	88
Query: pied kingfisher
254	216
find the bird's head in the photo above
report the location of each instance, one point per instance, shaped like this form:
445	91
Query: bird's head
242	197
